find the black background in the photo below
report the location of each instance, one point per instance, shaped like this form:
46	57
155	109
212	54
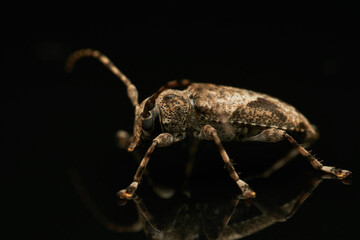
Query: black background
53	122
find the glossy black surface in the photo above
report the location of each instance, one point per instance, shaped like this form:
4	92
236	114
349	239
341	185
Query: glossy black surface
54	124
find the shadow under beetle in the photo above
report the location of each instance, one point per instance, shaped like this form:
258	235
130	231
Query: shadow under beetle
210	112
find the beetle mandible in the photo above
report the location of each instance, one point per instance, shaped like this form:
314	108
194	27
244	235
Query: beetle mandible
210	112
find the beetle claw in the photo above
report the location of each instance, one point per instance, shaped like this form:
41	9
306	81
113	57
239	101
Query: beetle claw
342	174
249	193
124	194
337	172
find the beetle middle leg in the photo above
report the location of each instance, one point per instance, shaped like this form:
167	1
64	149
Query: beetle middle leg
209	133
275	135
163	140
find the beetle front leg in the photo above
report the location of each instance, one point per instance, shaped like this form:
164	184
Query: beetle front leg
209	133
163	140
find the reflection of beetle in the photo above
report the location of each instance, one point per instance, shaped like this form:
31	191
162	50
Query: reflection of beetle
204	215
225	215
210	112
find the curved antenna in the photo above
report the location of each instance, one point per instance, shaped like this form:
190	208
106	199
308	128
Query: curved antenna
150	103
75	56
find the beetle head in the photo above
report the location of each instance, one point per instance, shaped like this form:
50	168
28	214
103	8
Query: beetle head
147	114
144	127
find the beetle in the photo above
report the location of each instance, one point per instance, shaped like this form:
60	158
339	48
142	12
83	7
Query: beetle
210	112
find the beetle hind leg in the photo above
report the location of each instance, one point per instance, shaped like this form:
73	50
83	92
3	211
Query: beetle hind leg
275	135
339	173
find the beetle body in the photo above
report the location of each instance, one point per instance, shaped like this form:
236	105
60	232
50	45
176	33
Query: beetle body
210	112
246	112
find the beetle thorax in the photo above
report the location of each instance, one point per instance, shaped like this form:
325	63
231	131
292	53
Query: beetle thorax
174	108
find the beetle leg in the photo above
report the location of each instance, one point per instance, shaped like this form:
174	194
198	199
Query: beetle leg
142	210
123	139
287	158
267	135
275	135
339	173
209	133
212	227
163	140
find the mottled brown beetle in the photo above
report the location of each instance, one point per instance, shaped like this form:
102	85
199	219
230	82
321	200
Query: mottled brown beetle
210	112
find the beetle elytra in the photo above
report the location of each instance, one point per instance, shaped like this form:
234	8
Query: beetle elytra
209	112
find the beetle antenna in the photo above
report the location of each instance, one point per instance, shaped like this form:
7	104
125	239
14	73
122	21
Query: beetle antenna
150	103
75	56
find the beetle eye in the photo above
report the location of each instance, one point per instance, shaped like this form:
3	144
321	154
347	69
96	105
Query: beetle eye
147	124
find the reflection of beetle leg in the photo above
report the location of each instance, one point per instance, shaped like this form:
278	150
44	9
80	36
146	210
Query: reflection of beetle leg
313	184
284	212
229	215
189	166
144	212
213	228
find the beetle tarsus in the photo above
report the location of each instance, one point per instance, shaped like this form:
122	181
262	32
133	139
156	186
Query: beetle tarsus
128	192
341	174
124	194
249	193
